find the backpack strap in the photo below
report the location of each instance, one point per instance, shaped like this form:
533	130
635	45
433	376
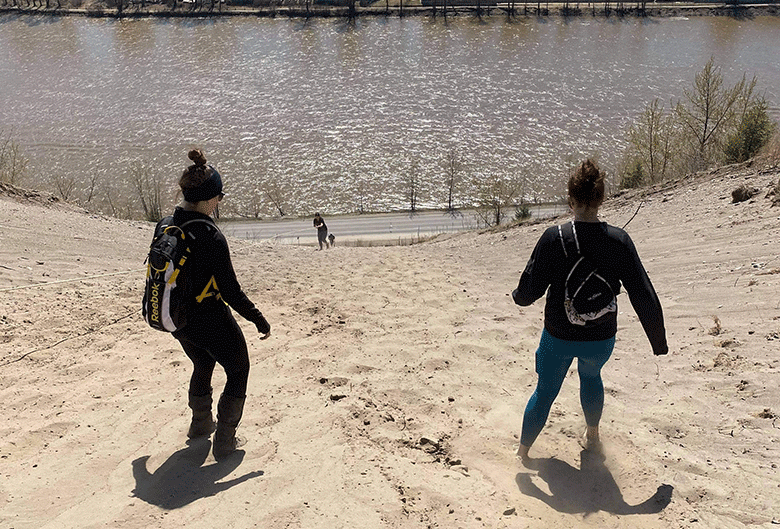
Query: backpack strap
162	224
197	220
569	241
205	221
166	223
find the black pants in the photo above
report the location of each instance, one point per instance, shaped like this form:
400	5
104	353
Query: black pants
322	236
215	338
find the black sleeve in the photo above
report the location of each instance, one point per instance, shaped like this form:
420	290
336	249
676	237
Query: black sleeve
536	277
228	285
644	300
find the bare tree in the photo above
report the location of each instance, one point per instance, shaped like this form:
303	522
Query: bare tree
111	201
362	193
149	187
479	11
413	184
651	140
706	112
93	182
511	10
13	164
276	197
495	197
452	169
245	203
63	185
747	99
255	205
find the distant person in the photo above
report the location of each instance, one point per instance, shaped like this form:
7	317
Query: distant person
322	231
332	239
211	334
568	334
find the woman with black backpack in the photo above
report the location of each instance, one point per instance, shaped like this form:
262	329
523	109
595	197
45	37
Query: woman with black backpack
211	334
574	327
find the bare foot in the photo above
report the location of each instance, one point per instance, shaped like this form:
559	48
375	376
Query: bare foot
522	453
590	439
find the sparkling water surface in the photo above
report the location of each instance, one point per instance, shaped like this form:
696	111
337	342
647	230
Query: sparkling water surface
333	116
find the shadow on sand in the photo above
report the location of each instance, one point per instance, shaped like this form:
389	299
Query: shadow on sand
183	479
587	490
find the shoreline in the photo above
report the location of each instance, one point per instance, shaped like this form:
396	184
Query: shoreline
375	229
417	8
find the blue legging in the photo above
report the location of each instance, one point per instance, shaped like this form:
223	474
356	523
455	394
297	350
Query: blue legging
553	358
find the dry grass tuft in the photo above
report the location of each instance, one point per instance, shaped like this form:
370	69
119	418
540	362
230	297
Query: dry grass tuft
715	329
771	151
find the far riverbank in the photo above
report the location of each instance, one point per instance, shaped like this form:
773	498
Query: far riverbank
343	8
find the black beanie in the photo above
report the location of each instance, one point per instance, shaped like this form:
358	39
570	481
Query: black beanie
205	191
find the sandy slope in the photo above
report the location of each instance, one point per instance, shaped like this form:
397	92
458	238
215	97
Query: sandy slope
392	389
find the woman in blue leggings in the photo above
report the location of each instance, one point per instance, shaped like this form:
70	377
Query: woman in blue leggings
566	334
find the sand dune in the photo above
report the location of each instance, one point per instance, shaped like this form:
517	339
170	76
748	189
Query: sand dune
392	389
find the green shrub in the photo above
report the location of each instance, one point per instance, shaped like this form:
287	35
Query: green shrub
753	132
522	211
634	177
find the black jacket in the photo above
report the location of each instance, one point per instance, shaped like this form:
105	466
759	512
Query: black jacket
214	281
613	252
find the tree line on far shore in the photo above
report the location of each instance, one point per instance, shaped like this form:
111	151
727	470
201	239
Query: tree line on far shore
711	125
353	8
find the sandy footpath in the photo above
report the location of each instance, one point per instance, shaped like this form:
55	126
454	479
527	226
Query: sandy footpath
392	389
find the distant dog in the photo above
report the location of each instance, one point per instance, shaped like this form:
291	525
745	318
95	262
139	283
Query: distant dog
332	239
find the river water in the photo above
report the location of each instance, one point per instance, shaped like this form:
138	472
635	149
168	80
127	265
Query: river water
334	116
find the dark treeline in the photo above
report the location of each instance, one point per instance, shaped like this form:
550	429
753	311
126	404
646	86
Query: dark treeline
354	8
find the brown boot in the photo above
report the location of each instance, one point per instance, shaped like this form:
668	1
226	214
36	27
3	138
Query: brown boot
202	421
229	411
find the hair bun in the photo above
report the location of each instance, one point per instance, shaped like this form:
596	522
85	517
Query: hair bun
197	157
586	185
590	171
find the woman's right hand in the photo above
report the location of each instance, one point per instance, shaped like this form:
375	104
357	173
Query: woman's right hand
263	327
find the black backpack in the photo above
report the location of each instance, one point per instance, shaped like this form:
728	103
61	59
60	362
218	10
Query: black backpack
168	293
587	295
